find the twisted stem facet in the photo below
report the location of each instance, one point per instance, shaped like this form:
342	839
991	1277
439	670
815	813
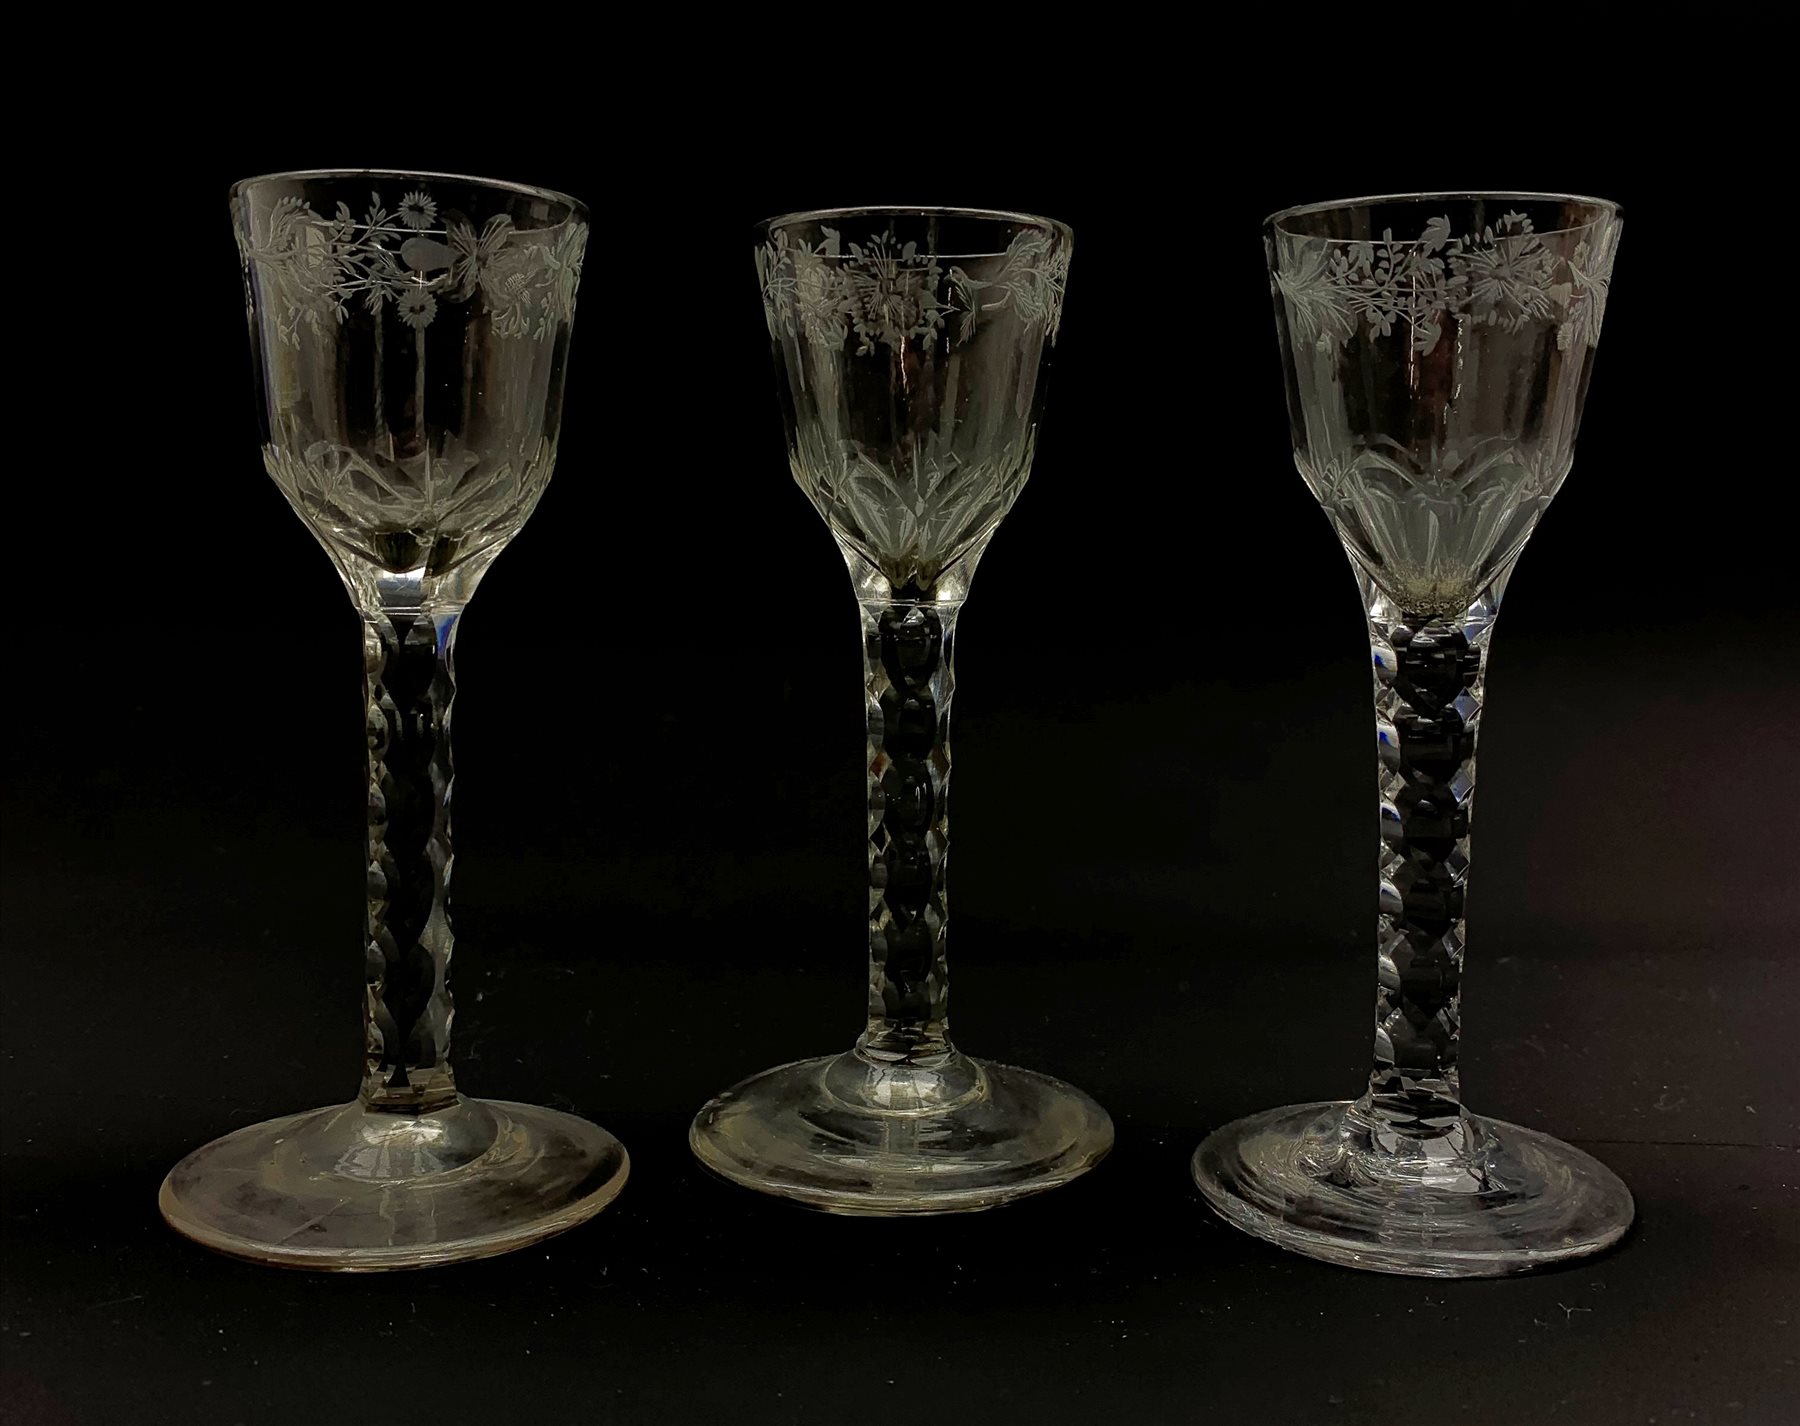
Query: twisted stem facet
909	680
409	682
1429	675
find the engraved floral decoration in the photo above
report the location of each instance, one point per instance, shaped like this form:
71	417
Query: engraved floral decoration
1504	276
889	293
1030	282
314	269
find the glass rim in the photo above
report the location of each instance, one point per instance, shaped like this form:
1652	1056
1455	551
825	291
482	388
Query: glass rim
1608	208
924	210
576	207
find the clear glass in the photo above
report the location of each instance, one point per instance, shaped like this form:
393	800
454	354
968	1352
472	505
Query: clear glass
1437	350
410	334
911	346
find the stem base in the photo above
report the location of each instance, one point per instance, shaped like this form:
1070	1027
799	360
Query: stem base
1488	1202
352	1189
794	1132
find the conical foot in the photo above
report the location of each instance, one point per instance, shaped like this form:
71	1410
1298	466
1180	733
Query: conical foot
347	1189
1508	1200
846	1136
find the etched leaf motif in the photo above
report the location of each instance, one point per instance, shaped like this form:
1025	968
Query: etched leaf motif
1504	276
314	268
1316	297
891	293
1508	274
1583	297
1030	282
566	260
473	253
777	281
1056	280
508	283
819	294
398	511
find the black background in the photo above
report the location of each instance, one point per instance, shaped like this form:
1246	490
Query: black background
1162	882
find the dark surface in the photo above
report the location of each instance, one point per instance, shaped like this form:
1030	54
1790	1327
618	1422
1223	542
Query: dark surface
1164	835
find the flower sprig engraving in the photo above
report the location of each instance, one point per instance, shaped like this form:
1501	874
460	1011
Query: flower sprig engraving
1031	282
889	293
315	270
1503	276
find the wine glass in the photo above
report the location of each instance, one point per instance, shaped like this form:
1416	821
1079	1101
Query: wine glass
911	346
1437	350
411	335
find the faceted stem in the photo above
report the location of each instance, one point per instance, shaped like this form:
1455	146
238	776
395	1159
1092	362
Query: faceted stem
907	666
1428	692
408	681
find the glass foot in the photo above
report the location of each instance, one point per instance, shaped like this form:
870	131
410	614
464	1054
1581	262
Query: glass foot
347	1189
850	1135
1489	1200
